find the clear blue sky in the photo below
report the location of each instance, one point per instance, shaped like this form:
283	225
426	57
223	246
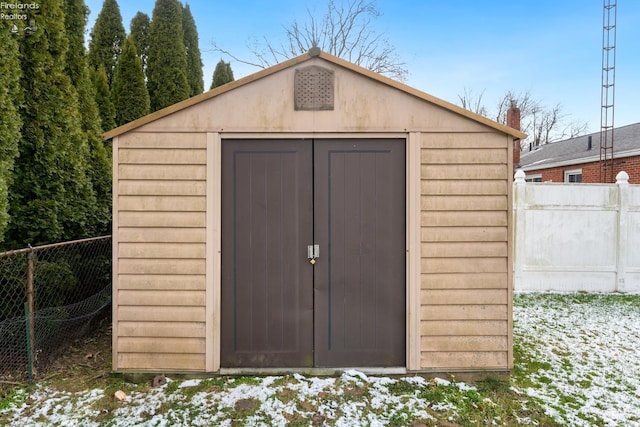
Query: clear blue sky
551	48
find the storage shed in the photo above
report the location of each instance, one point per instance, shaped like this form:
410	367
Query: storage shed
312	216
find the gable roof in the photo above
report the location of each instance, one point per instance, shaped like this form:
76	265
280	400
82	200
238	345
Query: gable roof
626	142
313	53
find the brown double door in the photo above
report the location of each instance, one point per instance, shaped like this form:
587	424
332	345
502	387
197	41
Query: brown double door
348	198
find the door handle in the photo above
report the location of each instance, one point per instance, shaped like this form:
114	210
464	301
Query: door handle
313	252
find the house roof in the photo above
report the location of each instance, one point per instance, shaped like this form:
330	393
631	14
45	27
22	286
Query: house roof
626	142
313	53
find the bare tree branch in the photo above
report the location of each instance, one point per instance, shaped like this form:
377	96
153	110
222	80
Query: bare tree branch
542	124
217	48
346	30
472	103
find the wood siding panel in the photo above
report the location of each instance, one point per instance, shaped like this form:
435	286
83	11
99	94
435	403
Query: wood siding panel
161	313
159	362
469	187
172	156
163	172
162	250
464	360
465	343
163	140
463	327
464	312
163	203
463	172
161	188
463	296
162	345
162	298
162	235
161	282
464	219
464	265
162	219
162	266
464	141
464	234
162	329
465	156
464	249
464	203
469	281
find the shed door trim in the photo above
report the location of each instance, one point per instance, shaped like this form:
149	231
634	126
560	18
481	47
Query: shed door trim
263	181
413	146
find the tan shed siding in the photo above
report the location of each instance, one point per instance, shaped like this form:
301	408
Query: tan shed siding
161	195
464	251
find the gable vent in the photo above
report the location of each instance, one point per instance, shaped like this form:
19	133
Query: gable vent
313	88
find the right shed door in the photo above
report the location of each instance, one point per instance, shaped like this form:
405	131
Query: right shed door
359	218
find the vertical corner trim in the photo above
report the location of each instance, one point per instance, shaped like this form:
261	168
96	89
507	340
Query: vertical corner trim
213	249
413	251
114	254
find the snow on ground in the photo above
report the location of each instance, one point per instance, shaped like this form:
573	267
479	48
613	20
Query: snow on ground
48	407
588	353
582	362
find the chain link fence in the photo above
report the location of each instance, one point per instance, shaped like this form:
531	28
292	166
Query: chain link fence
50	296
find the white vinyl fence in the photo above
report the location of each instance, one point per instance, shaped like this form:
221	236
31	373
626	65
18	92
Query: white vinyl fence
576	237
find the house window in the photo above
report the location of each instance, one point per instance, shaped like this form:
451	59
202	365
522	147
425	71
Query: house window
573	175
533	178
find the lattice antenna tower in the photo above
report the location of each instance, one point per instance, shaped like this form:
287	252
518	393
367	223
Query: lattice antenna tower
608	90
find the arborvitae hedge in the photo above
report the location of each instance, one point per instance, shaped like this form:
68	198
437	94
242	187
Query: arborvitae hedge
139	32
103	99
222	74
10	120
130	96
51	196
167	63
107	38
194	60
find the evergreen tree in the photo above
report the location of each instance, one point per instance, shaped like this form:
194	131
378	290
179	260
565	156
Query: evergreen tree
194	60
140	35
222	74
103	99
107	37
50	197
10	121
167	62
130	96
98	163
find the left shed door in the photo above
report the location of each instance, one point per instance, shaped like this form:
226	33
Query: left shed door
267	217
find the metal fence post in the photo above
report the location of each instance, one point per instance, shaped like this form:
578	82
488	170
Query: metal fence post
27	316
30	306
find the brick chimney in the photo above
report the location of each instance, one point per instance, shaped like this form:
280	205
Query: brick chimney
513	121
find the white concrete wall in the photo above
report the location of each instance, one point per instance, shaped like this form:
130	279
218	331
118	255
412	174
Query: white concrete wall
576	237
